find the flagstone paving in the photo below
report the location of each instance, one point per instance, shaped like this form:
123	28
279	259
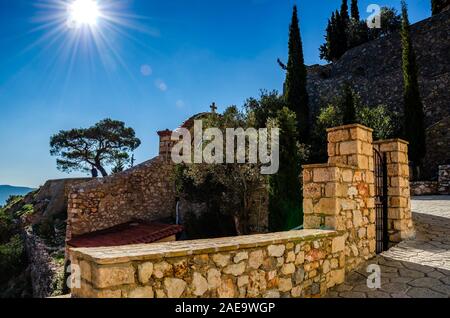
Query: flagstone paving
418	268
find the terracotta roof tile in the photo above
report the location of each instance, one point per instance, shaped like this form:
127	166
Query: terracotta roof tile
137	232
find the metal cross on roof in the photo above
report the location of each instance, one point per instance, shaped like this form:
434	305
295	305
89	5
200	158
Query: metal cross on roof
213	108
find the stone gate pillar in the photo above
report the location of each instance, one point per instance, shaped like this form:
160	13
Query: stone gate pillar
400	224
340	195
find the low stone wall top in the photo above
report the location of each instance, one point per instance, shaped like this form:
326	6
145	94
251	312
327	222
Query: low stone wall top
290	264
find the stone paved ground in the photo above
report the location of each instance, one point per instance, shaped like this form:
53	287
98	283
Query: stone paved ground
418	268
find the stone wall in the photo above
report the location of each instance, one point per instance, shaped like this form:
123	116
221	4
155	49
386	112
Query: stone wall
438	145
46	274
340	195
290	264
144	192
374	69
444	179
419	188
442	186
400	224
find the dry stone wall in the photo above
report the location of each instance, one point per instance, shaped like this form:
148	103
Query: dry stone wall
444	179
374	69
144	192
291	264
419	188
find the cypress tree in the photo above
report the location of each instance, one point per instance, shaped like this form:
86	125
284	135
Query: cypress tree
355	10
340	37
348	106
344	12
285	196
414	126
295	86
437	6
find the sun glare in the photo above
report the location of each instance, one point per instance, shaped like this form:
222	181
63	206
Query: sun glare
83	12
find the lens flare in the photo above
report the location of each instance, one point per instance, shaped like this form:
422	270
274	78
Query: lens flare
83	13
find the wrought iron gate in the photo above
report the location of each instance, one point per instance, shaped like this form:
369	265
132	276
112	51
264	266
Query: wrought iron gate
381	201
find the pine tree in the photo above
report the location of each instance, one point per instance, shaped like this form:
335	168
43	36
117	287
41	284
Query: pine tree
355	10
414	126
348	106
296	93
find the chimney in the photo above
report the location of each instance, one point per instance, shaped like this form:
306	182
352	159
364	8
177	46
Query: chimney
165	143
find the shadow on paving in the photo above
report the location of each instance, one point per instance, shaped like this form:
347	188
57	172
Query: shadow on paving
399	279
418	268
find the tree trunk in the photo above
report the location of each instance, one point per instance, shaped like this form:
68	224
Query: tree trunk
102	170
237	225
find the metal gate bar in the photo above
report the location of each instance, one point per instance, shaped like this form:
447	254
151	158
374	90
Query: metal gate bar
381	202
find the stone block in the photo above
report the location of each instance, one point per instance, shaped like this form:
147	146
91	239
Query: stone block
276	250
110	276
221	260
312	191
367	149
199	284
240	257
85	269
235	269
141	292
284	284
327	206
226	289
162	269
288	269
338	135
338	244
347	175
256	259
322	175
175	287
349	147
308	207
337	277
312	222
145	271
214	278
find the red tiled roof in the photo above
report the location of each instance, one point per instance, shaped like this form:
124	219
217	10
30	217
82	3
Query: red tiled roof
127	234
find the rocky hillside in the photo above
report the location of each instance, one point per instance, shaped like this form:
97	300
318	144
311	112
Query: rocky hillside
32	241
375	70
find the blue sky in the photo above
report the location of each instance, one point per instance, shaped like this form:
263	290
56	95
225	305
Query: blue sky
164	61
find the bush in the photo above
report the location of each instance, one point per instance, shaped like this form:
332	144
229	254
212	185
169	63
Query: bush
6	226
379	118
11	258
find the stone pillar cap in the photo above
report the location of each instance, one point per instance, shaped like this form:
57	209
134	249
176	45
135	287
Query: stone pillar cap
391	140
165	133
349	126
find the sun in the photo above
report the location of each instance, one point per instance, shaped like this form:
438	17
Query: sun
83	13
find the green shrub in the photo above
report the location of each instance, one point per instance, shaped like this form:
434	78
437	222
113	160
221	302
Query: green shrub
26	210
6	226
11	258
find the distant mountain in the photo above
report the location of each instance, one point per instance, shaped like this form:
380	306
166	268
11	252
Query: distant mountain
7	190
